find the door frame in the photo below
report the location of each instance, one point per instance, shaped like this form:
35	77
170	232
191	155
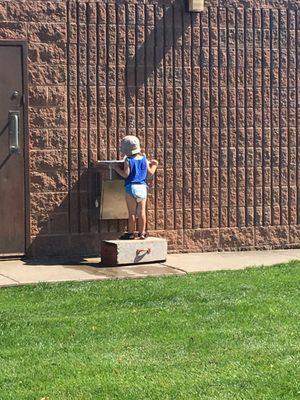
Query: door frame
24	47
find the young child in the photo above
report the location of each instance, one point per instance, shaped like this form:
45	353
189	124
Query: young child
136	169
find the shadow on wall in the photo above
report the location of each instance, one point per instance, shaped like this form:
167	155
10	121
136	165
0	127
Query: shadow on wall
68	224
159	39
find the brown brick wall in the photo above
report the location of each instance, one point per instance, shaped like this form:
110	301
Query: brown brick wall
214	96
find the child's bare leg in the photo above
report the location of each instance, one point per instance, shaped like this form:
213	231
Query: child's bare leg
131	205
141	214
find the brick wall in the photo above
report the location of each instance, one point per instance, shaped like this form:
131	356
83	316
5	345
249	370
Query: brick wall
214	96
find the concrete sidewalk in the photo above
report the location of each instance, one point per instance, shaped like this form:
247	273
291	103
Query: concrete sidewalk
17	272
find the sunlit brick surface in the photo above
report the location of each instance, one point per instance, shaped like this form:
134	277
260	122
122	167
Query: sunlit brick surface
213	95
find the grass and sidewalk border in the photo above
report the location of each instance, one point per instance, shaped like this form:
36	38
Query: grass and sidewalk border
22	272
212	336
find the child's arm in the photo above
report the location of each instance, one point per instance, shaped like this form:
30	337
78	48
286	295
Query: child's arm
122	172
152	167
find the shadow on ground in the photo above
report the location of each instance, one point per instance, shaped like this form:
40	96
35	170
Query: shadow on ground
73	261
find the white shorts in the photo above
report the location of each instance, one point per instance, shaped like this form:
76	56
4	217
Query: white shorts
138	191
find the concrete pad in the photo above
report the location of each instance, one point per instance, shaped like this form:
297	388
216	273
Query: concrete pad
200	262
122	252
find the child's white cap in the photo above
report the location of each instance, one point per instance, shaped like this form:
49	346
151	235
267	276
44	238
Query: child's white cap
130	145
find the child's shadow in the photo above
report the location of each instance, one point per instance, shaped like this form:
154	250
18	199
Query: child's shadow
69	224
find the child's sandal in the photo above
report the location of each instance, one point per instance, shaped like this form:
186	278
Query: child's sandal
143	235
127	236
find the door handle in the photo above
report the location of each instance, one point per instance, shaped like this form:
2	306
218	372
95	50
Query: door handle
14	131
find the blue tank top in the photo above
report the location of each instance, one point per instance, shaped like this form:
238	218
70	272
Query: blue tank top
138	171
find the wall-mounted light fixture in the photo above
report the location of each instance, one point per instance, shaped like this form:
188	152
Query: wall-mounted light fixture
196	5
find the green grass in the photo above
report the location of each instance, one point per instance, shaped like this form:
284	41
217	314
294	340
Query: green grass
223	335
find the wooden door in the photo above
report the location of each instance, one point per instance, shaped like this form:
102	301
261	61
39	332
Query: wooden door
12	180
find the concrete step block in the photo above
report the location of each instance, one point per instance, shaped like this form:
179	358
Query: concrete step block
122	252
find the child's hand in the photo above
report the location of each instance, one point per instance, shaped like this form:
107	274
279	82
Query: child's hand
154	163
94	163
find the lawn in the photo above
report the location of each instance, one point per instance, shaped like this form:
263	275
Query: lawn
223	335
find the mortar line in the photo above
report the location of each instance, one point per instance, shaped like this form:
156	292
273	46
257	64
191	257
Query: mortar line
166	187
211	166
237	132
297	115
219	125
98	107
117	114
263	139
254	122
201	123
227	121
183	154
193	225
156	190
279	108
271	116
78	119
69	118
88	90
138	83
288	117
107	47
174	186
246	208
146	102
